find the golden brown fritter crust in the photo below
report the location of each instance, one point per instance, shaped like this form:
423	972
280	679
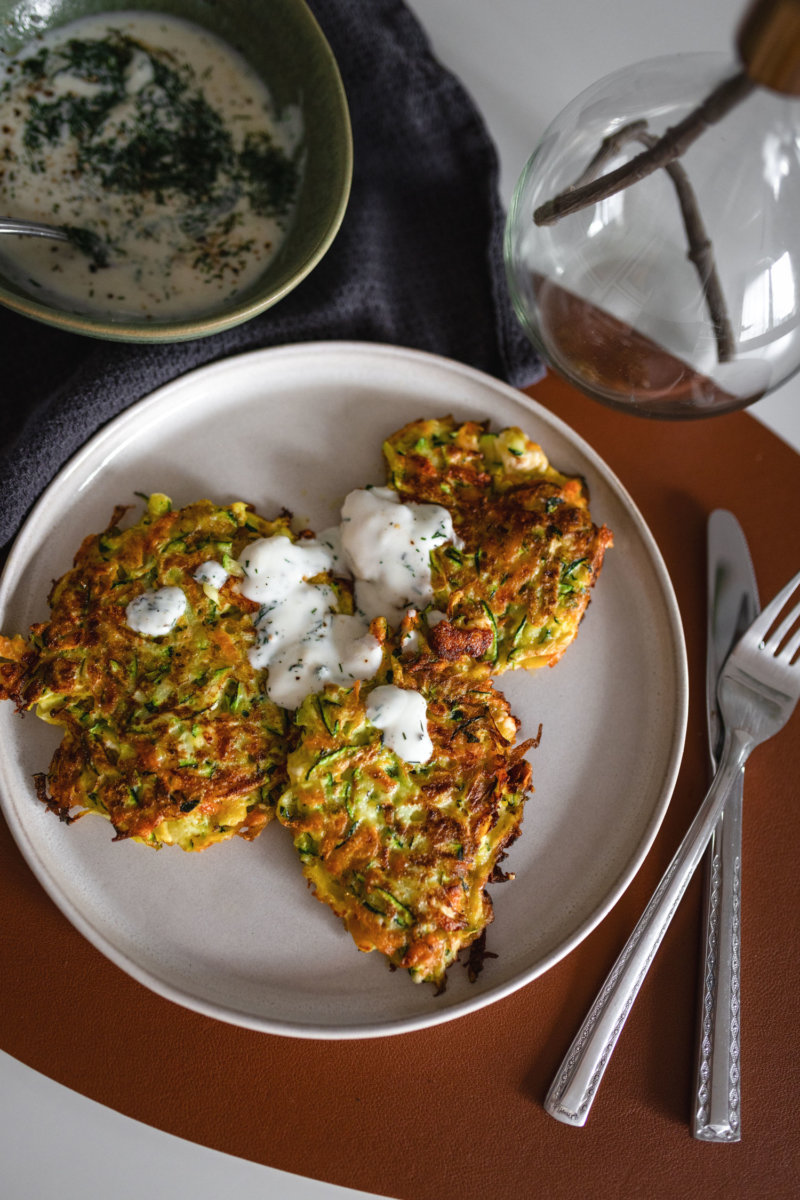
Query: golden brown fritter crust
172	738
517	590
401	853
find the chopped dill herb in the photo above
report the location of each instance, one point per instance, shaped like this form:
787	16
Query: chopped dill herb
109	116
270	177
88	243
172	140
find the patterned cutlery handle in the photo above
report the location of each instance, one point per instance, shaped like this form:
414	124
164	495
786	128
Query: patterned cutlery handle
575	1086
717	1094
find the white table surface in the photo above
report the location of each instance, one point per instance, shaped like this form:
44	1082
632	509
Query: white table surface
522	62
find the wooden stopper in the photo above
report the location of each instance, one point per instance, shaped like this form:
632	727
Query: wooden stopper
768	42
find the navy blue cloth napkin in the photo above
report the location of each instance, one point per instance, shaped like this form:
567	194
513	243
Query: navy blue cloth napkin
417	262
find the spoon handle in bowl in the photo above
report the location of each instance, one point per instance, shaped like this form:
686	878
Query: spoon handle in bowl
32	229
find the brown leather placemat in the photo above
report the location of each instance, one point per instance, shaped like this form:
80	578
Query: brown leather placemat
457	1111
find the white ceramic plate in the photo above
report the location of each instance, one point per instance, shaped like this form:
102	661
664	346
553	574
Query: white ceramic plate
234	932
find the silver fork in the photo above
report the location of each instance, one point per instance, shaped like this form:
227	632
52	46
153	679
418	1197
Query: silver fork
758	689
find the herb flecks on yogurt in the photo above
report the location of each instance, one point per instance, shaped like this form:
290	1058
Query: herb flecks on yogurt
156	613
300	637
401	715
384	547
388	547
158	142
211	572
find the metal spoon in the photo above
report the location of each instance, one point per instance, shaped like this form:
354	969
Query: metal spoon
82	239
34	228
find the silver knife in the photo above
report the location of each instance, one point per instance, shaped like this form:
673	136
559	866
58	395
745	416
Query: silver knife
732	606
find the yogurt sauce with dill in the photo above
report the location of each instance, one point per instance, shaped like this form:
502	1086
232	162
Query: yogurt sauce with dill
155	613
158	139
384	547
401	715
301	638
388	547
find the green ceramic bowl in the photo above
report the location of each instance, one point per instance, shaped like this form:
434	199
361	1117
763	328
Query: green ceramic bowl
283	42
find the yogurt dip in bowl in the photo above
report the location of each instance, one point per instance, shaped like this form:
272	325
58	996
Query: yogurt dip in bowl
205	148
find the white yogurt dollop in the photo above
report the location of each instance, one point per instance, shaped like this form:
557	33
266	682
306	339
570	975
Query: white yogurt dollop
155	613
388	545
402	716
301	638
385	546
211	572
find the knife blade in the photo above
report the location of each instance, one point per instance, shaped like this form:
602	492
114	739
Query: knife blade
732	606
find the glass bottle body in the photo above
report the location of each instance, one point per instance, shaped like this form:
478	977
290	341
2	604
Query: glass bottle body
610	295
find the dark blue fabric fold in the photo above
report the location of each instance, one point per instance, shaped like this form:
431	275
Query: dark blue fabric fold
417	262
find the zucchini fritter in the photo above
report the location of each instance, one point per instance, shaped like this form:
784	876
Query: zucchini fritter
516	591
171	737
403	853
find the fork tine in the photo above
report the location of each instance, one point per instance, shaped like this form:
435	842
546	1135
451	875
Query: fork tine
783	630
791	648
762	625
